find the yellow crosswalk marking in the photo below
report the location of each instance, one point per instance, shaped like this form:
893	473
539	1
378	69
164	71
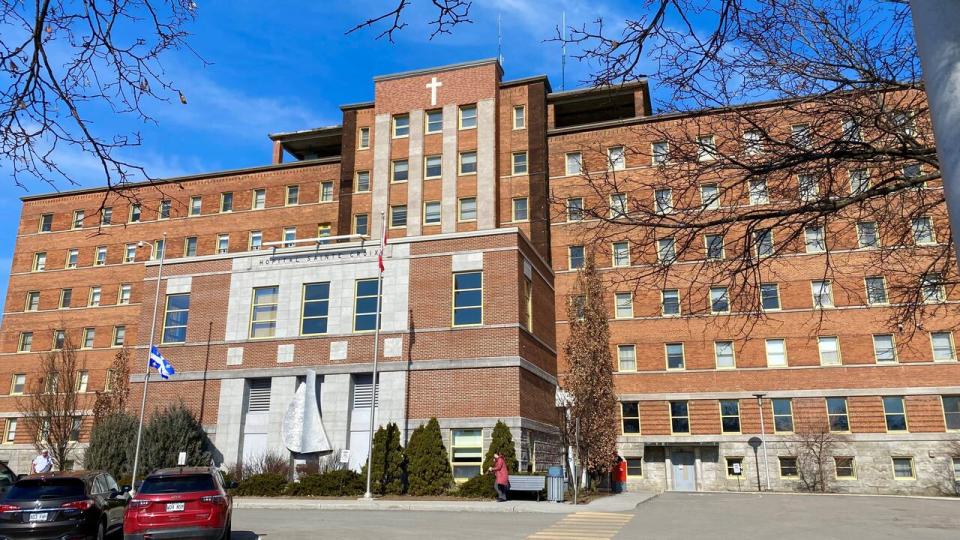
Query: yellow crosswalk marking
584	526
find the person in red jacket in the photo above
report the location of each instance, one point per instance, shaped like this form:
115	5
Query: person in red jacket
501	477
619	474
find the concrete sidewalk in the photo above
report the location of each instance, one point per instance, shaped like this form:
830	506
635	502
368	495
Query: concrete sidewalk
625	502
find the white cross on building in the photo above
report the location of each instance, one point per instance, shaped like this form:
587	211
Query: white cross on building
433	85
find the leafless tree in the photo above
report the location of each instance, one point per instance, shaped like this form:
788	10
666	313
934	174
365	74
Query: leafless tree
51	407
113	398
814	446
449	13
63	62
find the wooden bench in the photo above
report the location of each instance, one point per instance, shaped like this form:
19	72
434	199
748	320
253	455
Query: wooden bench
528	483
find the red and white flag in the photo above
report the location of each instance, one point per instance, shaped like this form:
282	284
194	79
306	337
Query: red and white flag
383	241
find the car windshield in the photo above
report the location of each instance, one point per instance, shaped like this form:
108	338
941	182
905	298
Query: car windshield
46	488
177	484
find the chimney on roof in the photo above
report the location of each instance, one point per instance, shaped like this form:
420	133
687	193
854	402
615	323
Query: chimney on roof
277	153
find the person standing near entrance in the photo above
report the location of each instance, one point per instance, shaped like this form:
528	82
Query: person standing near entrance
619	474
42	463
501	477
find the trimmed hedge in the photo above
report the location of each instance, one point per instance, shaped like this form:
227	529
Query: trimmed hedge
478	487
261	485
340	483
428	466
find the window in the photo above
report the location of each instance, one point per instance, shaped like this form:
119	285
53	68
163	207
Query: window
520	209
769	296
859	181
33	301
10	434
435	121
106	216
663	201
196	204
190	246
714	244
618	205
723	351
867	234
719	300
433	165
670	302
734	467
39	262
923	231
809	187
763	242
634	466
788	467
574	209
88	335
323	230
398	216
46	223
431	213
164	212
176	315
931	287
706	148
401	125
621	254
674	353
758	192
77	222
255	240
519	163
829	347
468	209
666	250
259	199
226	202
752	142
519	117
709	196
801	135
577	303
360	222
468	163
782	415
576	257
326	191
776	353
903	468
119	335
25	344
943	350
66	295
135	213
660	151
528	304
626	358
630	415
468	116
400	171
223	243
19	384
679	417
83	378
884	348
623	305
365	305
293	195
616	158
876	290
951	412
837	414
822	294
59	338
813	239
851	130
289	236
130	253
363	181
72	255
123	297
895	413
574	163
730	416
263	319
315	309
467	298
913	170
94	298
363	138
466	453
904	123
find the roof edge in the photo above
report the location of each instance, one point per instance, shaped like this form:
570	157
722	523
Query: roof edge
528	80
447	67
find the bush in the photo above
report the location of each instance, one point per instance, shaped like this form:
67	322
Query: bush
339	483
262	485
501	442
428	468
388	462
112	441
171	431
266	463
478	487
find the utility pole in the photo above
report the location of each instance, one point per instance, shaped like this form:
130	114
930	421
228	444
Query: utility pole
376	353
763	439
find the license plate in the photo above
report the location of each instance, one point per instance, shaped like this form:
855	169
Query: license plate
175	507
38	516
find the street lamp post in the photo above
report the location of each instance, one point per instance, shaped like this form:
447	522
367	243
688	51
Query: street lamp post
763	441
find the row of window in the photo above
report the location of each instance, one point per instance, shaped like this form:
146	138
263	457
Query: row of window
10	434
87	339
838	419
94	296
884	350
845	467
18	383
433	123
433	168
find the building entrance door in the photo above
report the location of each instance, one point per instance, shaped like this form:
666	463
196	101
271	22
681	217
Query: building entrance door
684	471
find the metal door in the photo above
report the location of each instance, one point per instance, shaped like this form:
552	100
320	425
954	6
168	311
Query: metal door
684	472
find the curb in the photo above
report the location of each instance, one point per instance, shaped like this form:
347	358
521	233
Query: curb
803	494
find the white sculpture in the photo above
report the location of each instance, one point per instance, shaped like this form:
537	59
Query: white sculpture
303	431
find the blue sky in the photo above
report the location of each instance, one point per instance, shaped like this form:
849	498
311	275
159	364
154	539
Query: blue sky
286	65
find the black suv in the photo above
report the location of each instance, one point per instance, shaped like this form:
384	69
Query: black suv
63	505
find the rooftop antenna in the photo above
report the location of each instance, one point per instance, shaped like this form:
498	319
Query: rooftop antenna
563	50
499	42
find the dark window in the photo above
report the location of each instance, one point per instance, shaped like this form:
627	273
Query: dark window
630	411
316	302
178	484
49	488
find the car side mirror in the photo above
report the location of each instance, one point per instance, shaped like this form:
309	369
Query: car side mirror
125	489
21	476
114	493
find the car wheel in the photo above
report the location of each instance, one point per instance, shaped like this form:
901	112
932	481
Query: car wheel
226	532
101	531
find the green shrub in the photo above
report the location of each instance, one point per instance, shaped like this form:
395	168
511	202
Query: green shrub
261	485
389	463
501	441
112	441
478	487
171	431
340	483
428	467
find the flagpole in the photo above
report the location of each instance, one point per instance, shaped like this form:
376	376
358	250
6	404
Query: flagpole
376	354
146	378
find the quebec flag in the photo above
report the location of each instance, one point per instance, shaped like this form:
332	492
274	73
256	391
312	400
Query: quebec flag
157	361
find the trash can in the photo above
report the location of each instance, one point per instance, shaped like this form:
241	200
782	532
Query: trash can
555	485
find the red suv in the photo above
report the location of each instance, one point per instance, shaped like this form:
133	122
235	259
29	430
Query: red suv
181	502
